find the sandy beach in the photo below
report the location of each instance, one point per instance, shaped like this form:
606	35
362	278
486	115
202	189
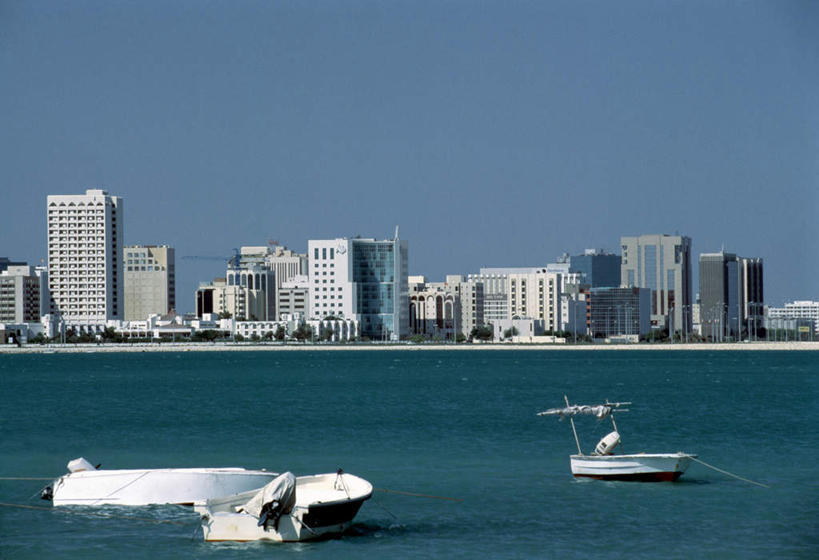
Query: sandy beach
296	347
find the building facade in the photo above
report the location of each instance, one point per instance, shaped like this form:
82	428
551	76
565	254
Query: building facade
537	295
293	297
149	281
444	309
661	263
19	294
496	290
798	310
286	264
620	312
85	239
599	269
364	280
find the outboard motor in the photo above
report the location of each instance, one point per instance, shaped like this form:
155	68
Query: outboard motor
81	464
607	444
277	498
47	493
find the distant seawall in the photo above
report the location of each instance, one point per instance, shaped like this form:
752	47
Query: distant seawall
273	347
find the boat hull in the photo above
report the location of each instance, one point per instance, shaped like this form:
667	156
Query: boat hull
642	467
138	487
323	509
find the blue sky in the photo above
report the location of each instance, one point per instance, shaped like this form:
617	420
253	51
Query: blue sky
494	133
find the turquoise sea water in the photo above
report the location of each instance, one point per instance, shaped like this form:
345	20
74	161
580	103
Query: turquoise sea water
448	424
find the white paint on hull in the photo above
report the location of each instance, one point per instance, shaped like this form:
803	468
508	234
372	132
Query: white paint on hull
137	487
629	465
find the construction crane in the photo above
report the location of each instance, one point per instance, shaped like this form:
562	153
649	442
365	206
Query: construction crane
233	260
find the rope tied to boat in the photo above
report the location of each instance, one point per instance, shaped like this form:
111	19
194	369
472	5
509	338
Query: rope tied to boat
27	478
413	494
726	472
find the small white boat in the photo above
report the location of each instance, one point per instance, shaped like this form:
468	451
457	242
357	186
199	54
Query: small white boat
603	464
288	509
84	484
644	467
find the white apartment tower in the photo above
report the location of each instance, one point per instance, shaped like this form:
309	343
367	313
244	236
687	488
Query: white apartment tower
536	295
85	234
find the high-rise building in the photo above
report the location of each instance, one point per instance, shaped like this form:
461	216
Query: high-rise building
85	237
731	295
496	290
537	295
599	269
364	280
19	294
150	281
661	263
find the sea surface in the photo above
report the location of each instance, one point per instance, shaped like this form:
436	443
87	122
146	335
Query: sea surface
458	425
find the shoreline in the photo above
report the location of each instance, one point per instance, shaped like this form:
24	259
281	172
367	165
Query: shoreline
278	347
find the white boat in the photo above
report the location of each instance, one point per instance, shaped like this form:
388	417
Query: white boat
288	509
84	484
605	465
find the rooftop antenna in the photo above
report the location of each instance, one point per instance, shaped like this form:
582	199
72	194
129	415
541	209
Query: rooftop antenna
396	234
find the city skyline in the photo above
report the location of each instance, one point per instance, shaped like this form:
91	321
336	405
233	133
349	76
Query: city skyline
494	135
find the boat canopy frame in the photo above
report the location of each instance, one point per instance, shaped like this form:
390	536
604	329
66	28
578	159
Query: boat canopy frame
599	410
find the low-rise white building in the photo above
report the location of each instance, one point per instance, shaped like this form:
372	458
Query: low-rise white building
797	310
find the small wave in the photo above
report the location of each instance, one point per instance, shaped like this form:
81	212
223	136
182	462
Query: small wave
375	529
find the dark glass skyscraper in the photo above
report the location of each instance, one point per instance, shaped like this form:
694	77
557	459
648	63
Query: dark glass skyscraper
731	295
602	270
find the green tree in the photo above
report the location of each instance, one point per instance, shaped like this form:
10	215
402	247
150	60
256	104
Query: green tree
111	335
483	333
225	315
281	332
510	332
207	335
326	333
38	339
304	332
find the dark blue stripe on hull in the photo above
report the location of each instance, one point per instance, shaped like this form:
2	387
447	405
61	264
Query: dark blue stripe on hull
331	514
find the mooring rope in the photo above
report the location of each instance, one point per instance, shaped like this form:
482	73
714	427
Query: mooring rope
96	514
391	514
417	495
726	472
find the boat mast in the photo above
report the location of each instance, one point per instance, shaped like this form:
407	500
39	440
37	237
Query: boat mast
613	423
577	441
